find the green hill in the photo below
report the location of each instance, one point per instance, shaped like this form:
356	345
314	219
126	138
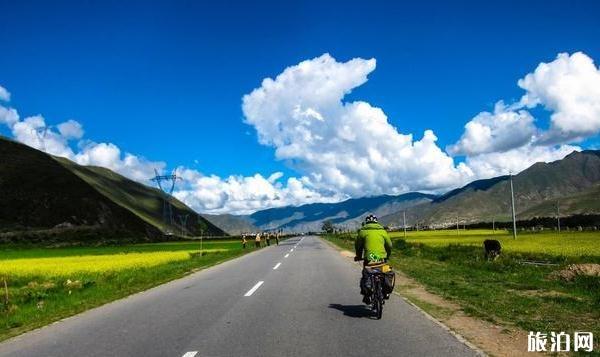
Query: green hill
44	196
574	181
232	224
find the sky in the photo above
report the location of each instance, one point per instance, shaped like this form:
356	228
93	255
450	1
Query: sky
268	103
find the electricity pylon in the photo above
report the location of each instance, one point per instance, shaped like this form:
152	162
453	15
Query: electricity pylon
168	191
40	134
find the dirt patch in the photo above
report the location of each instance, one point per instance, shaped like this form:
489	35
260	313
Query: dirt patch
495	339
574	270
545	293
347	253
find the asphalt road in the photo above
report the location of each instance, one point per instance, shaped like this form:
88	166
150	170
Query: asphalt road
308	304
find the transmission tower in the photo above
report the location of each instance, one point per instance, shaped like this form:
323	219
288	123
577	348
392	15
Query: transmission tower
167	188
40	134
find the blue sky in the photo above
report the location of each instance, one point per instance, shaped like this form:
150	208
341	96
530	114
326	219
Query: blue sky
165	80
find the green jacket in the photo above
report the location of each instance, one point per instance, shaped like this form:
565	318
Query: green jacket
373	240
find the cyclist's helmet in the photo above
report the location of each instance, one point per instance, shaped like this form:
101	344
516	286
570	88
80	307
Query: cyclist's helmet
371	219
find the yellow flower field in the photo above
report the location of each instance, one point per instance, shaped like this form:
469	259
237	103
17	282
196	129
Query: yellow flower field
64	266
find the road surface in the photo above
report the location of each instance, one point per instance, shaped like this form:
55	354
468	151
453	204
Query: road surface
300	298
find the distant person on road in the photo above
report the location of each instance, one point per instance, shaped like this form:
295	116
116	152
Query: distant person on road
257	240
374	246
244	240
277	237
268	238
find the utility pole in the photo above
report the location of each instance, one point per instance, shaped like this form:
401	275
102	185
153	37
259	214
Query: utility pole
404	220
457	227
558	215
201	235
494	225
512	201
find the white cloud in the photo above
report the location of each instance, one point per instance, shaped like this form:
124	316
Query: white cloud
569	86
508	140
500	131
34	132
8	116
4	94
516	160
242	195
70	129
346	147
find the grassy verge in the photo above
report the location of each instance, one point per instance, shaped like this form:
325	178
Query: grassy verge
504	291
47	284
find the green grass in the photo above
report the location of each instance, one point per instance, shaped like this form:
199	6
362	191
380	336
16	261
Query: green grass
47	284
567	245
505	291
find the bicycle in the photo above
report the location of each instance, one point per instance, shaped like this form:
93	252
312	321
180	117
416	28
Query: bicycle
377	297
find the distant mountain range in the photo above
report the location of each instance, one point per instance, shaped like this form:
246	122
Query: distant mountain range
573	183
44	196
310	217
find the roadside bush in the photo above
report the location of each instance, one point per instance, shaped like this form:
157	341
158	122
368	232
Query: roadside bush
399	244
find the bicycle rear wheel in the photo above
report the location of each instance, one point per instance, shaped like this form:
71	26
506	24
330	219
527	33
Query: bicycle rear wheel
378	300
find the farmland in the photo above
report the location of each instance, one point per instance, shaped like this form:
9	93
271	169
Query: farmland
508	291
570	245
46	284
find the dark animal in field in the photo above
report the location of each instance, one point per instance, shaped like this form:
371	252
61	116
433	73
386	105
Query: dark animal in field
492	248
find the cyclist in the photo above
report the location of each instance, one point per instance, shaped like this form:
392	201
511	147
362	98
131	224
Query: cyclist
374	246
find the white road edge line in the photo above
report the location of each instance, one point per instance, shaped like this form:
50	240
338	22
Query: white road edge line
254	288
287	255
190	354
276	266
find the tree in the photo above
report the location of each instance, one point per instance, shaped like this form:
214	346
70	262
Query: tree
327	226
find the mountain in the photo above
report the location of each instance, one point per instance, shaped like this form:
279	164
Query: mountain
574	181
310	217
43	193
232	224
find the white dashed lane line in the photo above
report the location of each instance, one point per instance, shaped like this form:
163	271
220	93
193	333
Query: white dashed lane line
190	354
287	255
254	288
276	266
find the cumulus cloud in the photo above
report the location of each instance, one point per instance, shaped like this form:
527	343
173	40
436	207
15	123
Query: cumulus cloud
70	129
515	160
242	195
569	86
346	147
4	94
508	139
8	116
500	131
